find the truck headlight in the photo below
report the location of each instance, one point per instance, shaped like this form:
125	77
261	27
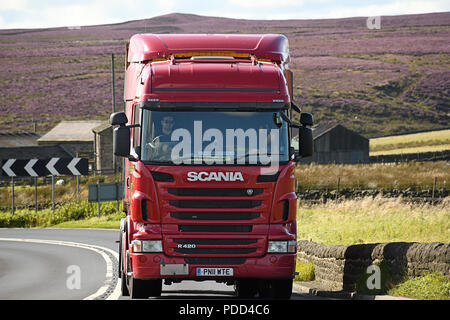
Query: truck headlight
282	246
147	245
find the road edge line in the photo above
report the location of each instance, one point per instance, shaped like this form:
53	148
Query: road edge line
98	249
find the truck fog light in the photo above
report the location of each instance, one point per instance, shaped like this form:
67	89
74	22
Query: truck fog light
147	246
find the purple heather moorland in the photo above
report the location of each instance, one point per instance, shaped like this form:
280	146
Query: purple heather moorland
398	75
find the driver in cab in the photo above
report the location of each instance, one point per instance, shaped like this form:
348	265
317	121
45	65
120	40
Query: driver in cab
161	142
167	124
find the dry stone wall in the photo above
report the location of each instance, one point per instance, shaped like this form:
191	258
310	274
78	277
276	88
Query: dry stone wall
339	267
348	193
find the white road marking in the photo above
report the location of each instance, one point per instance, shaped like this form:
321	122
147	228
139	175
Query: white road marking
100	250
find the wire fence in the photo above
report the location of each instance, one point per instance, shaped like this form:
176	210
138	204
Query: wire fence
435	194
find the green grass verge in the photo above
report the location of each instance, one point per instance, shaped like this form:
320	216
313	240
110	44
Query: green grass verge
380	220
376	220
431	286
111	221
70	215
305	271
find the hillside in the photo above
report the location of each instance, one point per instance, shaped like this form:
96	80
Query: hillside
430	141
377	82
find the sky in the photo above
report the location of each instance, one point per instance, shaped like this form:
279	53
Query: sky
15	14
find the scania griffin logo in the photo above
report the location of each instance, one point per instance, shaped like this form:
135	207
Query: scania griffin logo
214	176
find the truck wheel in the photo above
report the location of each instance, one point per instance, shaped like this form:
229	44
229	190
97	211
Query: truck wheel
142	289
281	289
122	276
137	289
275	289
154	287
123	285
246	288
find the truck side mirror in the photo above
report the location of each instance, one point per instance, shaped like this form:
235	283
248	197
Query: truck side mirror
306	119
121	134
306	142
302	144
121	141
118	118
305	135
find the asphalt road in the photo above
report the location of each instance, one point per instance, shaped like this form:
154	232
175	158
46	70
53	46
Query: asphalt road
75	264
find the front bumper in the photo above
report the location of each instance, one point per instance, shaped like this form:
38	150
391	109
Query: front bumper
148	266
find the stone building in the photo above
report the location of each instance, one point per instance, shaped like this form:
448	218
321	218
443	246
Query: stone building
74	136
24	145
103	149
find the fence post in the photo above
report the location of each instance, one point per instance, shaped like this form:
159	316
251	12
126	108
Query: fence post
338	187
12	195
117	195
434	188
98	198
78	188
53	192
35	195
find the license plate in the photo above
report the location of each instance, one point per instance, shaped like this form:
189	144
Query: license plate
215	272
174	269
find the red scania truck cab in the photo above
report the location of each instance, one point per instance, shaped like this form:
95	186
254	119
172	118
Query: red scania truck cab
209	145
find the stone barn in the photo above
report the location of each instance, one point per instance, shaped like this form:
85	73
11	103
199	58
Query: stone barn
334	143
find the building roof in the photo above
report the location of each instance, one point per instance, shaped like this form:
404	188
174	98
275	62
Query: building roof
25	139
71	131
102	127
34	152
321	129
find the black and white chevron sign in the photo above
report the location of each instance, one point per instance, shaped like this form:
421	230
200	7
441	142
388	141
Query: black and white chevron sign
44	167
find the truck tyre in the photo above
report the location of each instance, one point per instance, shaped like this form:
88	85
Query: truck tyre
142	289
282	289
123	285
122	275
154	287
123	278
275	289
246	288
137	289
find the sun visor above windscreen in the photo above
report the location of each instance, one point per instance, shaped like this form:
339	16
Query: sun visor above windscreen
156	105
145	47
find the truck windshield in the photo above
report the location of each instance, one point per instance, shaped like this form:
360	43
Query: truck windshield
208	138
